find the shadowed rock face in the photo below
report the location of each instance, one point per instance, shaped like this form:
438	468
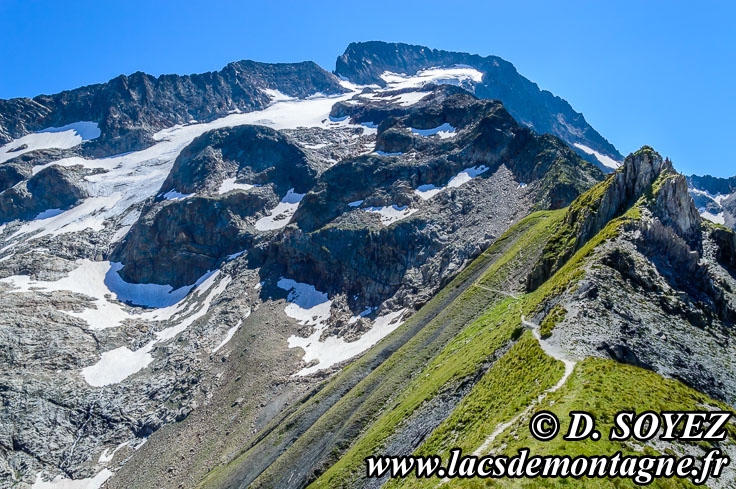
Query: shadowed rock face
255	155
52	188
364	62
340	247
177	241
129	109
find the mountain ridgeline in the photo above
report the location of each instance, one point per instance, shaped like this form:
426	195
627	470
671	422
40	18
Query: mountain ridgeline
544	112
260	276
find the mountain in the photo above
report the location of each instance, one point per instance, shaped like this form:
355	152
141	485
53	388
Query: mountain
128	110
320	268
715	198
488	77
562	311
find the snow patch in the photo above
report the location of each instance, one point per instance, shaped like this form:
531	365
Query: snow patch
392	213
355	203
466	175
307	305
174	195
116	365
334	349
604	160
410	98
280	215
90	214
48	213
428	191
228	335
716	218
276	96
84	129
315	146
444	131
229	184
107	456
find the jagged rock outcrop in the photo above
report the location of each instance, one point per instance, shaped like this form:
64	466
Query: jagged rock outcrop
675	208
610	198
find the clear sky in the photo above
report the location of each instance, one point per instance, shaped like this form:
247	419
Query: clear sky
642	72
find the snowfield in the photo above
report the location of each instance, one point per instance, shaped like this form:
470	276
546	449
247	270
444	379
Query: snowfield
64	137
312	307
459	75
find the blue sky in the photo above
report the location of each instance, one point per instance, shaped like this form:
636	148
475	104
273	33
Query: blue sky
657	73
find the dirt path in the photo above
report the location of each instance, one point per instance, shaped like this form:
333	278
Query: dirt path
553	352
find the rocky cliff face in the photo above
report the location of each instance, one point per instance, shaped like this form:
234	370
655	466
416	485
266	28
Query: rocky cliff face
366	62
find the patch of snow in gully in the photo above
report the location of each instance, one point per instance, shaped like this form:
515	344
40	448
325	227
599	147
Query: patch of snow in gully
174	195
444	131
306	304
391	213
229	184
428	191
280	215
228	336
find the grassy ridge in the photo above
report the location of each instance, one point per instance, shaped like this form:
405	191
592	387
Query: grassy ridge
602	387
352	398
462	356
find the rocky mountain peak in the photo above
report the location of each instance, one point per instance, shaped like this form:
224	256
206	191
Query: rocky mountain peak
488	77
